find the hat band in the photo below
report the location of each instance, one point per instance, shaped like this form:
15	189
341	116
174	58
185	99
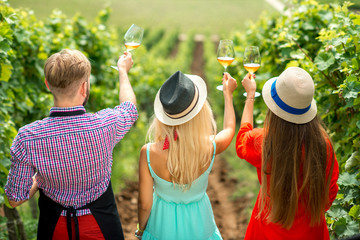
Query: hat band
284	106
188	109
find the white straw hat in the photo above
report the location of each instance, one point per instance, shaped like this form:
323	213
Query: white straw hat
291	96
180	98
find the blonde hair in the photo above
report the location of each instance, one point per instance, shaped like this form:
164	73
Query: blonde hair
190	153
65	70
294	170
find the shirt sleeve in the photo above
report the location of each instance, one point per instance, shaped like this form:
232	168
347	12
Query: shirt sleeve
248	144
126	114
19	180
333	189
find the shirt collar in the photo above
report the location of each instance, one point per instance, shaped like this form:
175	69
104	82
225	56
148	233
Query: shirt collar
67	111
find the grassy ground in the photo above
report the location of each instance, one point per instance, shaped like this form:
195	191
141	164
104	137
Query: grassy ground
201	16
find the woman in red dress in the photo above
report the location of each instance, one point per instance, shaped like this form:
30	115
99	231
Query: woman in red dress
294	158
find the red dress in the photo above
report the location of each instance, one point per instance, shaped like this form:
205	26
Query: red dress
248	147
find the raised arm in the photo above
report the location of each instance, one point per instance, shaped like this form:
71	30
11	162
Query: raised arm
224	137
250	88
126	92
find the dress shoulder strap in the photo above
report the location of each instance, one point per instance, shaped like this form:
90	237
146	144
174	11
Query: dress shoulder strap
148	160
213	157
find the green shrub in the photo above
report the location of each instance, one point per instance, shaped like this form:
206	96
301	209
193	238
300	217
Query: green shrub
26	43
324	40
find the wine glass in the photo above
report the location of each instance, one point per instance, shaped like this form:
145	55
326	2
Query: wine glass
225	55
132	38
252	61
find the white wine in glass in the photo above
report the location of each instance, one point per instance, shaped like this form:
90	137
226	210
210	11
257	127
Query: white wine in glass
225	55
132	38
131	46
252	62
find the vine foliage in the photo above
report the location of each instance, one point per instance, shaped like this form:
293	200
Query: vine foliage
324	40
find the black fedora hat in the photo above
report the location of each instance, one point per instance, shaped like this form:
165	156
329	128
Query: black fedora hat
180	98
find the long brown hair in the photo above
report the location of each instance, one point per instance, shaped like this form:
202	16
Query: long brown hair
294	170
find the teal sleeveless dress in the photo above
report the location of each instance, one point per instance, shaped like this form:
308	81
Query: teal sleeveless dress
180	215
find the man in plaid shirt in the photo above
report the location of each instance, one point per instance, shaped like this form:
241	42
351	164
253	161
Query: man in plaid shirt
71	153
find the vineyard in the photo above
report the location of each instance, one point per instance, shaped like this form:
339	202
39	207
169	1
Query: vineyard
321	38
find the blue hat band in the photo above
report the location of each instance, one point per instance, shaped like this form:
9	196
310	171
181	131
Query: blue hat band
284	106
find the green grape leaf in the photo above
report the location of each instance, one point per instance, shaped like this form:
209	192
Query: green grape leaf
297	54
4	169
356	20
350	94
5	199
355	64
351	194
324	60
326	15
351	88
339	41
336	212
5	72
352	161
355	211
308	26
347	179
346	228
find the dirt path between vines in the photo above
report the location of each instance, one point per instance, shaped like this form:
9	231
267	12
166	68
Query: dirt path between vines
230	215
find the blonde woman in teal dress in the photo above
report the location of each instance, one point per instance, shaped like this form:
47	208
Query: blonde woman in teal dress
174	167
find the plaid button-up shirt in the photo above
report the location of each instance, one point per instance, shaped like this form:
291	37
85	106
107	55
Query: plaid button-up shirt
72	155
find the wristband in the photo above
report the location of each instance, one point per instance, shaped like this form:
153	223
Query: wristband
138	228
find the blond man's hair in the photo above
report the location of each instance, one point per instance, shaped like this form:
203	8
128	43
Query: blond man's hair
191	152
66	70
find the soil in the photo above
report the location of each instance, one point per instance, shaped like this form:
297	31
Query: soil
126	202
229	213
197	66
